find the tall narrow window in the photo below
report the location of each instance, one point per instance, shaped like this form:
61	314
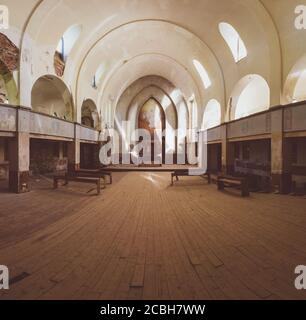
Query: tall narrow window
203	74
64	47
233	40
68	41
97	77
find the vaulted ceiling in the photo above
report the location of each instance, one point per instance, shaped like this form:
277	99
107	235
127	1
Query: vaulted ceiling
137	38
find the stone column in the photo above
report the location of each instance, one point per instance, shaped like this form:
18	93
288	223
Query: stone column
74	155
19	155
74	152
61	150
97	148
280	172
227	152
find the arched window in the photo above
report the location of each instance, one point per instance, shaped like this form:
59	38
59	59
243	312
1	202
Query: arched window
68	41
233	40
212	115
203	74
295	85
251	95
299	93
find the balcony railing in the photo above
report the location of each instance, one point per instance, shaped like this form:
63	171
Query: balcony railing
8	116
258	124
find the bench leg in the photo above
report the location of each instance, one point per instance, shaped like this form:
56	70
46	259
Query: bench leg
209	178
99	187
220	185
177	178
55	184
111	179
172	182
245	190
66	181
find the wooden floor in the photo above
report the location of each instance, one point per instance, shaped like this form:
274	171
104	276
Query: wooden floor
142	239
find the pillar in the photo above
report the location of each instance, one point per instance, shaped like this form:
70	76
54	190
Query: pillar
61	150
227	153
74	155
280	154
96	155
19	155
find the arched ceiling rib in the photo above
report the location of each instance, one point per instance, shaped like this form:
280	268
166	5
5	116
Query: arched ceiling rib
266	26
97	20
143	39
136	69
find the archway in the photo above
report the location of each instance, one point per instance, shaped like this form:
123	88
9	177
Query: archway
171	116
8	88
90	115
295	86
9	59
251	95
152	118
51	96
212	115
173	104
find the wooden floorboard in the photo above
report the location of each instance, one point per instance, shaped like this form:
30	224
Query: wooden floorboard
143	239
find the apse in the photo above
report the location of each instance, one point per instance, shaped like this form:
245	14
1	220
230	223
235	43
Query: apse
152	119
153	91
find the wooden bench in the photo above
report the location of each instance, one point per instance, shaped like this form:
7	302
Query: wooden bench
185	173
234	182
94	174
67	179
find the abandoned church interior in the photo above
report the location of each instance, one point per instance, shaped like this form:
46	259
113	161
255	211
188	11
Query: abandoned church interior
231	71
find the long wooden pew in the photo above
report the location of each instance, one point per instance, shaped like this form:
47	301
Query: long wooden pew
185	173
94	174
233	182
66	178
